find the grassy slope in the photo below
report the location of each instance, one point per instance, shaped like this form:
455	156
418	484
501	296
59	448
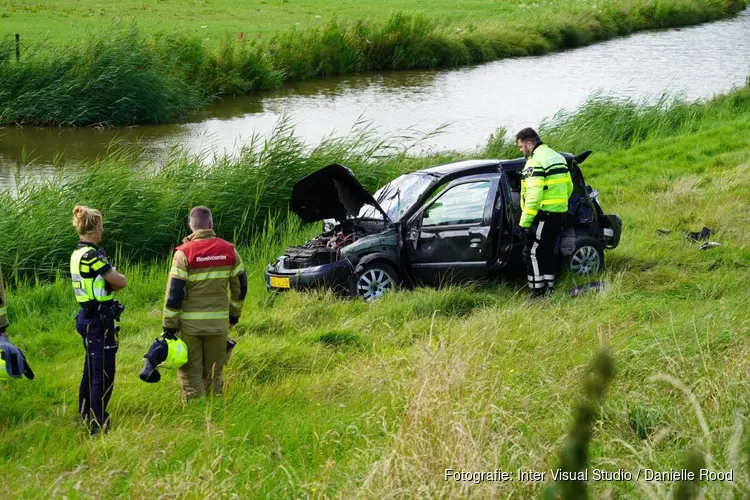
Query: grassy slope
329	398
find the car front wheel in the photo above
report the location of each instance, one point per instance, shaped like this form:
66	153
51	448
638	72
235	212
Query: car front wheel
375	280
587	258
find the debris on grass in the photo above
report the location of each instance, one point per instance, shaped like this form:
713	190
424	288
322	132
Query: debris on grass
709	244
597	286
704	234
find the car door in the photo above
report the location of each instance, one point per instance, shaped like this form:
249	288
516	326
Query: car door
449	238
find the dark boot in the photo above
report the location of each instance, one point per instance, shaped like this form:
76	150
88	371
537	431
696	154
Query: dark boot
537	293
95	428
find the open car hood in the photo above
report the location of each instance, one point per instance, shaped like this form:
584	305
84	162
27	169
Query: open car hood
330	193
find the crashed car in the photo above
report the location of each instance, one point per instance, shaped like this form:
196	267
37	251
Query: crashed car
448	223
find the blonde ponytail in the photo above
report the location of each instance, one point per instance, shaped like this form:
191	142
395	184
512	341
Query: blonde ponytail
86	220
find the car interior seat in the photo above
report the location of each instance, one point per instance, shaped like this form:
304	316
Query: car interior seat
516	199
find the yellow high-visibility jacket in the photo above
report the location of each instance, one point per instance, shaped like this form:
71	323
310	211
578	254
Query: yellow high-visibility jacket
546	184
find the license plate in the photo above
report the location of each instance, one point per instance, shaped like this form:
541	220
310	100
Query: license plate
279	282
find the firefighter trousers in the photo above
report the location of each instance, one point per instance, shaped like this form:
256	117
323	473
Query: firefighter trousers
203	372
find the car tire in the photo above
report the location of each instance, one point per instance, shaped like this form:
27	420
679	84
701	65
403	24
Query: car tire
374	280
587	257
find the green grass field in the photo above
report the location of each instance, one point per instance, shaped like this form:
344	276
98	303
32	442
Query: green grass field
69	21
124	63
330	398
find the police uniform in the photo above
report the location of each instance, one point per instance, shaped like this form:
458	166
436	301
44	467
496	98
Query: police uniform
206	288
545	189
95	323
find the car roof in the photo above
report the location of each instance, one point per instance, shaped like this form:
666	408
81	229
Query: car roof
519	163
479	166
465	166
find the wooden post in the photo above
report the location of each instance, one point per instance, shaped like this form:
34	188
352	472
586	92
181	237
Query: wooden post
18	47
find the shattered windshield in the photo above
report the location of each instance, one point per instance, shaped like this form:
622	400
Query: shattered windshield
398	196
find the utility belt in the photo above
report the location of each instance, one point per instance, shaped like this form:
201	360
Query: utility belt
546	215
111	309
549	218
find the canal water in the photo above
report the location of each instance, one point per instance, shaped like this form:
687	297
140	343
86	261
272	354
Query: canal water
470	103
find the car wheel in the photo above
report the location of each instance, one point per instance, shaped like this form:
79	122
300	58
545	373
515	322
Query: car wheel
587	258
375	280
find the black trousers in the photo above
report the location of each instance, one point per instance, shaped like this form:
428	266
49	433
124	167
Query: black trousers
100	341
538	252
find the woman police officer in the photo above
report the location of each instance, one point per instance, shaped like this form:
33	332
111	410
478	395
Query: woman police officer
94	280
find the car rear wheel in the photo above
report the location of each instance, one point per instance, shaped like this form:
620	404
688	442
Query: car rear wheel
375	280
587	258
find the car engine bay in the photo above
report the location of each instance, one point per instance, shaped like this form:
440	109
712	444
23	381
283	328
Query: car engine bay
326	248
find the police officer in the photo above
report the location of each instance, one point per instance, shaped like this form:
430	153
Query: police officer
545	189
94	281
205	291
3	310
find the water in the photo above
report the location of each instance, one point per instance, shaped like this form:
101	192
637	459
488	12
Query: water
695	62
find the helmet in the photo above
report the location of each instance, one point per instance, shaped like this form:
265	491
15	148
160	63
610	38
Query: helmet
177	353
12	362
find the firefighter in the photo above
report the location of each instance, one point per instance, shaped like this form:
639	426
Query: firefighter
94	281
206	287
545	189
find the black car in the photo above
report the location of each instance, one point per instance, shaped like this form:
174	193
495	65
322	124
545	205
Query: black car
448	223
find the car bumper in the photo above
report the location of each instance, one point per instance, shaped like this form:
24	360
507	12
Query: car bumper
612	229
334	275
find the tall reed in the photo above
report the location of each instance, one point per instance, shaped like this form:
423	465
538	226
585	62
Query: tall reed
123	76
145	207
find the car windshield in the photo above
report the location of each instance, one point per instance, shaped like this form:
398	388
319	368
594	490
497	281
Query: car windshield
398	196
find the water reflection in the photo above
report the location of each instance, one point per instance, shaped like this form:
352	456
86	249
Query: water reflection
697	62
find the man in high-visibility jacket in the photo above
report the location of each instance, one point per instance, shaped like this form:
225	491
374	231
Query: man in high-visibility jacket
545	189
205	291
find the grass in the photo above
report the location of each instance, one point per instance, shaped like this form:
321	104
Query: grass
99	77
74	20
145	208
331	398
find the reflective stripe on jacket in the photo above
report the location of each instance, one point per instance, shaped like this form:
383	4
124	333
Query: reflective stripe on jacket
546	184
87	269
3	308
206	287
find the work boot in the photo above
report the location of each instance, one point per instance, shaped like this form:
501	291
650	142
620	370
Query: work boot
536	293
95	428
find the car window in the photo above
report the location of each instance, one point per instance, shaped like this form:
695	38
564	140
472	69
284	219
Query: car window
437	192
462	204
398	196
